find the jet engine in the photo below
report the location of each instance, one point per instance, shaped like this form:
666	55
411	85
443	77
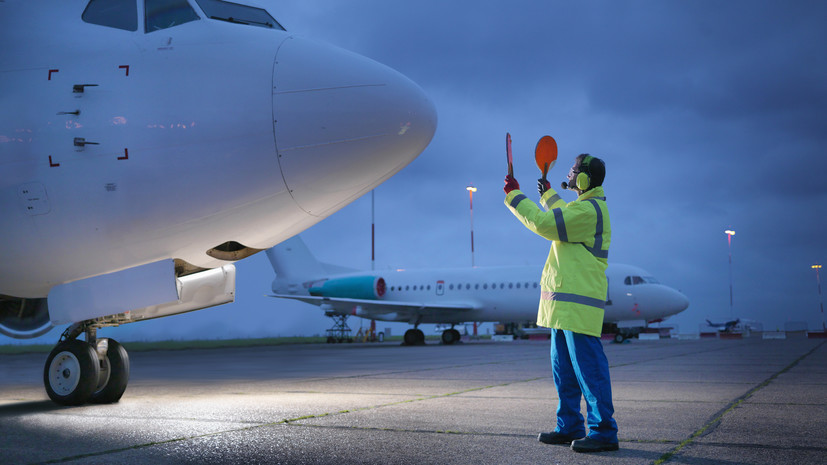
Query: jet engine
24	318
352	287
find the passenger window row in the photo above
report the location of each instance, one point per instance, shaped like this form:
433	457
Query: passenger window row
468	286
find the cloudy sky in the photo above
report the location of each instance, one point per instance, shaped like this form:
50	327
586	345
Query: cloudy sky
710	116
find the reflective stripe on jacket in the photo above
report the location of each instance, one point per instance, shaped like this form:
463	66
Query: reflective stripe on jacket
573	283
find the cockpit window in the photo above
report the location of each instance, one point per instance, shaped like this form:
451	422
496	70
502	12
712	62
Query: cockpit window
239	14
163	14
632	280
120	14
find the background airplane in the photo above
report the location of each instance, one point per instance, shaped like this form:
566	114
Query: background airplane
145	146
738	325
454	296
724	327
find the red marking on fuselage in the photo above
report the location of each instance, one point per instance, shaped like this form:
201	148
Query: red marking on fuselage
125	155
126	67
52	71
51	163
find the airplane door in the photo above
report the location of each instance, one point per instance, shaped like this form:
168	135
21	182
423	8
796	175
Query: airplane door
631	297
623	299
440	287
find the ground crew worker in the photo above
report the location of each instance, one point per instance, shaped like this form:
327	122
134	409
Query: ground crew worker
573	295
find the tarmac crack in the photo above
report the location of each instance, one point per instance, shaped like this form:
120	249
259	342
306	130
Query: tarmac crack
408	401
287	421
295	422
408	430
467	433
740	445
712	424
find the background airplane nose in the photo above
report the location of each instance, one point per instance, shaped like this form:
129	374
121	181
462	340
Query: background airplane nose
678	301
343	123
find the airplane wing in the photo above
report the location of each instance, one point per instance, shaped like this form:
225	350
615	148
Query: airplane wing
377	308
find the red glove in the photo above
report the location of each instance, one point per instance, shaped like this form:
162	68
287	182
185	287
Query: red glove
510	184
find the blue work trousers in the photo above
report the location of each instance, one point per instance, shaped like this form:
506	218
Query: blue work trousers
580	369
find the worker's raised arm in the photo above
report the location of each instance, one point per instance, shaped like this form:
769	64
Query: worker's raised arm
575	222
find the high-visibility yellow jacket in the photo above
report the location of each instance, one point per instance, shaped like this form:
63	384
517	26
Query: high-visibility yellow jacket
574	281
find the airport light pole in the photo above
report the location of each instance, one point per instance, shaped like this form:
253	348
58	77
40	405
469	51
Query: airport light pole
471	190
729	233
372	231
820	298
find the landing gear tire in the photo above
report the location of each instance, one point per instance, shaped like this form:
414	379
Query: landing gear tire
114	375
71	373
414	337
450	336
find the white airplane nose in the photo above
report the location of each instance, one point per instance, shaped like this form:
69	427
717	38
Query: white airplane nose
677	301
343	123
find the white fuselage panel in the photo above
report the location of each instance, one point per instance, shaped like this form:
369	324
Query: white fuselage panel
171	147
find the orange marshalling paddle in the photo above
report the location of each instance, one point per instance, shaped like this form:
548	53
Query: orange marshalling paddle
545	154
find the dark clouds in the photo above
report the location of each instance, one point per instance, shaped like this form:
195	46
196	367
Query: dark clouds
710	115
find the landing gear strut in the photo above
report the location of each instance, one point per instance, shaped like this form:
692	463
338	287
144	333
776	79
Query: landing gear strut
77	372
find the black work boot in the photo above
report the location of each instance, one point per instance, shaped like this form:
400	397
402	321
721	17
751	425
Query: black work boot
588	444
556	438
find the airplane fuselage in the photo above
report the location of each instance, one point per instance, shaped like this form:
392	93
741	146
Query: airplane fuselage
178	154
199	142
511	294
146	146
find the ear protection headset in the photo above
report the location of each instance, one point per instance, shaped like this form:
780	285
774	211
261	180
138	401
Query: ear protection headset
584	176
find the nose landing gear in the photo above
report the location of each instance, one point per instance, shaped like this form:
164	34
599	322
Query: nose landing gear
77	372
71	373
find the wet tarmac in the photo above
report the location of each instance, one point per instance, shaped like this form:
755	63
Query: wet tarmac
707	401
